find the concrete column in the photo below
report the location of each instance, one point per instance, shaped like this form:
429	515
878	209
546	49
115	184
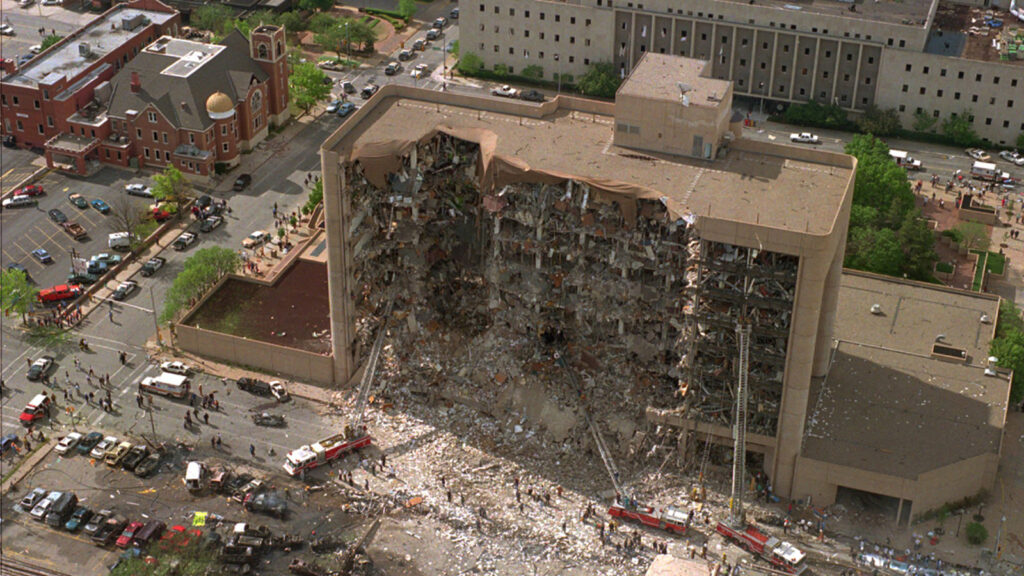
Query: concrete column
814	68
827	321
336	224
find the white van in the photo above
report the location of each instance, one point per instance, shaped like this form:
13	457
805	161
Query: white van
166	384
988	171
195	476
119	241
905	160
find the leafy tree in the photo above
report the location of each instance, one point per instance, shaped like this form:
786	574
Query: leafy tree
470	64
500	70
918	244
362	35
17	294
316	5
125	216
879	122
1010	320
976	533
323	22
202	270
50	40
601	80
211	17
264	17
875	250
863	216
171	186
316	195
1020	142
533	71
974	235
407	8
923	121
1008	347
332	40
455	48
880	183
958	128
306	85
816	114
293	21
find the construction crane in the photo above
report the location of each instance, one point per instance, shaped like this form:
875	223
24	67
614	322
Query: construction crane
782	555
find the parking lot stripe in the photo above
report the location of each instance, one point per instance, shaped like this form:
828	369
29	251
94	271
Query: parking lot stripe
14	364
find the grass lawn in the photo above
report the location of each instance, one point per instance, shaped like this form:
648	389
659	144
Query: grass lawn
944	267
996	263
979	270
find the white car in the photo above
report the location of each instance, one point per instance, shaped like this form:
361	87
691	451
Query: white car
505	91
26	3
136	189
36	49
6	29
176	367
52	2
255	239
805	138
184	241
1012	156
100	449
18	202
978	154
68	443
124	290
420	71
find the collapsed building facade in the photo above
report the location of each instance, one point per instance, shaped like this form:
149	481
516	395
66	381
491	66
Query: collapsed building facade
633	237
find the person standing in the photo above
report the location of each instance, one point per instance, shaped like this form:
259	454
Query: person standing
252	450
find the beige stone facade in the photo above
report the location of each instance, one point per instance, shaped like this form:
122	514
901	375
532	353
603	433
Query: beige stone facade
822	52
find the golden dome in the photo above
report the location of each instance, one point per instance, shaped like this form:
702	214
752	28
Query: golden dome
219	103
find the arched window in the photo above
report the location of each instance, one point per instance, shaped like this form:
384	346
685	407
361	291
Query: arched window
263	51
256	103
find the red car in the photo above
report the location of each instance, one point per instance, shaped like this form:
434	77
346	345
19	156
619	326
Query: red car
125	539
30	190
59	292
159	214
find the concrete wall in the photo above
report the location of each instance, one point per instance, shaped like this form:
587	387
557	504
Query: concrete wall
659	126
287	362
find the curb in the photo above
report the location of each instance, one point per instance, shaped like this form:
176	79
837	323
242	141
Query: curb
38	174
26	466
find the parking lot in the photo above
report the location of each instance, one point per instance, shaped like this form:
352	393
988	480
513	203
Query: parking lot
31	228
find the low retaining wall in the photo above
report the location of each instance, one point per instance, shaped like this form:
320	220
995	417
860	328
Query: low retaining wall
287	362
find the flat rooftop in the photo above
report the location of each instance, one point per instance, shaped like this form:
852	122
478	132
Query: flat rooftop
103	35
902	414
961	31
658	76
190	55
906	12
913	315
753	188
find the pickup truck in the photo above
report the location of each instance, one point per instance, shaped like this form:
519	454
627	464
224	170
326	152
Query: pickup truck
805	138
75	230
263	388
152	265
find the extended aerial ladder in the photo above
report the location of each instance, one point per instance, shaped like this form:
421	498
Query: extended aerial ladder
359	410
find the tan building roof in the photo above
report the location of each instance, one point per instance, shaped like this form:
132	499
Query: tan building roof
750	187
914	315
658	76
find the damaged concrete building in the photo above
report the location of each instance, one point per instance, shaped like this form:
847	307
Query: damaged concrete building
633	236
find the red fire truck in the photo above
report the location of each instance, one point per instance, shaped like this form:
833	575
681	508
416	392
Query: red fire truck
669	519
319	453
782	555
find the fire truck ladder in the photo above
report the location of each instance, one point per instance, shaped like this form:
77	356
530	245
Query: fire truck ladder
371	364
739	459
602	448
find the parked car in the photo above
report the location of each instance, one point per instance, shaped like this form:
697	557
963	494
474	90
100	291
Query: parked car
83	278
136	455
440	22
420	70
107	258
369	90
97	267
346	108
78	200
88	442
419	44
42	508
255	239
59	292
41	367
1012	156
26	3
505	91
20	268
333	106
454	14
242	182
405	55
125	539
124	290
148	465
29	501
6	29
978	154
347	87
101	206
109	530
804	138
184	241
96	522
176	367
62	510
30	190
137	189
392	68
265	419
152	265
433	34
105	445
160	214
532	96
42	256
263	388
210	223
18	202
114	456
68	443
150	532
57	216
79	518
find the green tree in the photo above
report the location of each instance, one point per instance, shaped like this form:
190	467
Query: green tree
316	195
50	40
202	270
976	533
171	186
816	114
501	70
211	17
874	250
17	294
974	235
918	244
322	22
863	216
879	122
316	5
601	80
958	128
470	64
923	121
1020	142
293	21
1008	347
1010	320
880	183
306	85
407	8
533	72
332	40
362	35
455	49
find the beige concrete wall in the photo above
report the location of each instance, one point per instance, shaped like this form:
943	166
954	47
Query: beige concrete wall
952	85
286	362
670	127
